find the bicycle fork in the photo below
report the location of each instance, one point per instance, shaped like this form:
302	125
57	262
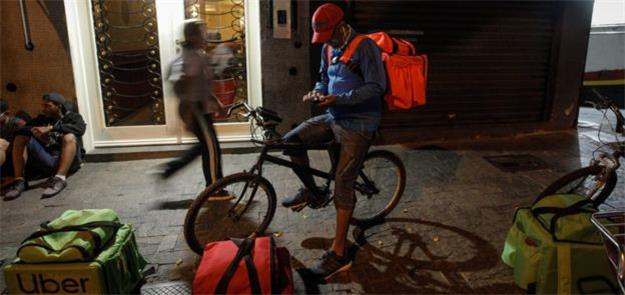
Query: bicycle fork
253	185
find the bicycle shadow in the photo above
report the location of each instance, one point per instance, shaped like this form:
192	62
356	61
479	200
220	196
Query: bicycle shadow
402	255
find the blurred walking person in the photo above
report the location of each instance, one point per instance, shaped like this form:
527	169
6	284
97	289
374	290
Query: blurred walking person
192	76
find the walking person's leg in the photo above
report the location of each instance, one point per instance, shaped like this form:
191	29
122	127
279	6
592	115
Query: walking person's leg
211	154
187	156
215	146
182	160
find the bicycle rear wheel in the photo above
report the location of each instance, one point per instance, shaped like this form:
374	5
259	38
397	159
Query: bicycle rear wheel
588	181
379	187
236	206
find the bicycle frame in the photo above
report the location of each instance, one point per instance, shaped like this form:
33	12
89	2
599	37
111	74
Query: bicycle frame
368	187
264	156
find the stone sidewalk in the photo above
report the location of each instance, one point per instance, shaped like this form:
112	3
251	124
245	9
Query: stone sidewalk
445	236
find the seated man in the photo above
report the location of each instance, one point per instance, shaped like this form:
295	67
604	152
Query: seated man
353	95
54	143
8	126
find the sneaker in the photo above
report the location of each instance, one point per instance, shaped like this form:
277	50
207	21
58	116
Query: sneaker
16	190
298	200
330	264
53	186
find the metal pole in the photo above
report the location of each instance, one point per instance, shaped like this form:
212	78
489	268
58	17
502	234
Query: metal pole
27	41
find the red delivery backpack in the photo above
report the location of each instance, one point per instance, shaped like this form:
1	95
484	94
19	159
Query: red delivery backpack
244	266
406	71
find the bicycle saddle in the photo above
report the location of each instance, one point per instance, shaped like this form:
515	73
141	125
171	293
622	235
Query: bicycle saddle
268	115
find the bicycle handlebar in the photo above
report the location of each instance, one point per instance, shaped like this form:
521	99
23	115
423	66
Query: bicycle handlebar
238	105
604	103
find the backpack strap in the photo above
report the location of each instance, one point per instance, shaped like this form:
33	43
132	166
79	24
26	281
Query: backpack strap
347	54
349	50
244	253
87	227
75	228
558	212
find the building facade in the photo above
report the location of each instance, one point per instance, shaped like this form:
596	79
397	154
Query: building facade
497	68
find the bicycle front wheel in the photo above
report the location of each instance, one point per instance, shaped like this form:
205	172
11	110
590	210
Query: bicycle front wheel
379	187
236	206
589	181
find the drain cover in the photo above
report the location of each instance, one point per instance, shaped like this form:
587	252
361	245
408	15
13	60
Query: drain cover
516	163
170	288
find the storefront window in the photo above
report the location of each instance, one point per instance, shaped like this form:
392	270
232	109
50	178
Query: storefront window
128	61
225	20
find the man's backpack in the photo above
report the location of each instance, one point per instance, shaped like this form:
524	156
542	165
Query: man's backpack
405	70
244	266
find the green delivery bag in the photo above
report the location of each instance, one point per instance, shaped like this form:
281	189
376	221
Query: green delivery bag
74	236
554	249
86	252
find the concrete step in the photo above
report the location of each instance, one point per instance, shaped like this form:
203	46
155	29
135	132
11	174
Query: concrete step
110	154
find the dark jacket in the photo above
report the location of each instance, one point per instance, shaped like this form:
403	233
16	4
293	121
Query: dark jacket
70	123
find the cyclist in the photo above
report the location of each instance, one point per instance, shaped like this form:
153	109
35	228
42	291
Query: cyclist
353	96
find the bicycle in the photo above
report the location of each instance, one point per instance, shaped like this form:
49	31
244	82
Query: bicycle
598	179
250	203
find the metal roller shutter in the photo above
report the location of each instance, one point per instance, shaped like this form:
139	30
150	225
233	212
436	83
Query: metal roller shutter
489	61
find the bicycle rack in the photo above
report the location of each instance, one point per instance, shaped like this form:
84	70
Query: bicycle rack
611	225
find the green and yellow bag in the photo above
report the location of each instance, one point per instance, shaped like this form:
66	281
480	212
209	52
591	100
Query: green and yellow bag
553	248
85	252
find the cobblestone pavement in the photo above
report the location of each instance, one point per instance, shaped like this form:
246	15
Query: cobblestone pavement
445	236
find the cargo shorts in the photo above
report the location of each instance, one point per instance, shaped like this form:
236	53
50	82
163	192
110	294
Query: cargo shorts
354	145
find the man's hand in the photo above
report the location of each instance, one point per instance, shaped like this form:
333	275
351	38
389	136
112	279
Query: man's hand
327	100
311	96
41	131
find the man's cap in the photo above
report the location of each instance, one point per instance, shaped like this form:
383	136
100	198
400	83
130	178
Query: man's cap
324	20
55	98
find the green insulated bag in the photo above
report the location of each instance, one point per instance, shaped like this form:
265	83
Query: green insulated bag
81	252
553	248
74	236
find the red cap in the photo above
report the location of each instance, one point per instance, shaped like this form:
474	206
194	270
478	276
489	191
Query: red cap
324	20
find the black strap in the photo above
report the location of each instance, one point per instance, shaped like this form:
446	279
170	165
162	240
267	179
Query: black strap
572	209
87	227
252	273
559	212
245	248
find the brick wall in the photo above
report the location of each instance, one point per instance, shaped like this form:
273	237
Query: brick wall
45	69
